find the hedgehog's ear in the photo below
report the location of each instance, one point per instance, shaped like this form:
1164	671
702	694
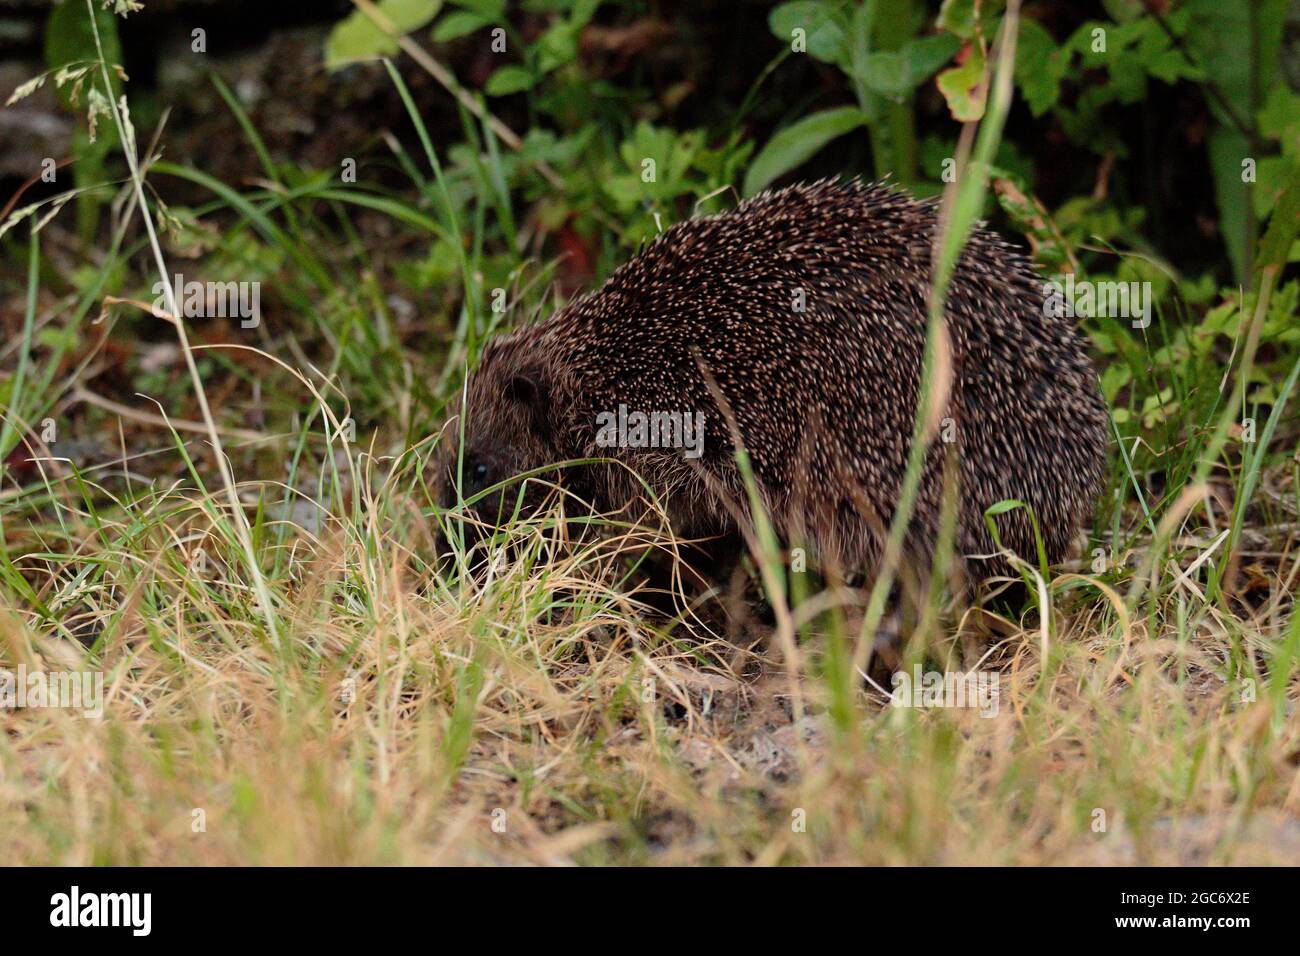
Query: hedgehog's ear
529	388
524	387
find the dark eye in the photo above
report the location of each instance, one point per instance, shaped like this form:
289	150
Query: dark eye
480	472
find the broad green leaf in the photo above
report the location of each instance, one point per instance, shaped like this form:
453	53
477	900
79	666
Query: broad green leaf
821	23
884	71
927	54
1227	150
1273	175
958	17
1240	46
558	45
1124	11
1040	66
1220	37
796	143
357	38
1283	225
671	153
1280	119
891	72
493	10
963	87
509	79
457	24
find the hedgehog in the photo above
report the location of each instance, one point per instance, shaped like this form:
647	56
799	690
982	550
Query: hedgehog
794	326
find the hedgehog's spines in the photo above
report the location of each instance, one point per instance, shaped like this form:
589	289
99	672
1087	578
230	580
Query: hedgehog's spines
808	305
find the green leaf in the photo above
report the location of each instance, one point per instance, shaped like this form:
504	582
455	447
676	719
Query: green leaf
1283	226
796	143
822	26
891	72
457	24
1124	11
1222	40
927	54
1040	66
1002	507
1279	119
966	18
357	38
1227	149
493	10
963	87
958	16
558	45
884	71
509	79
672	153
1170	66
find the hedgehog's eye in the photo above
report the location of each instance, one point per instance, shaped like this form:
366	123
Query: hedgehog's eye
480	472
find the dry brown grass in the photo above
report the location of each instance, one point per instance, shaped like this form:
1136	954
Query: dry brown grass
535	714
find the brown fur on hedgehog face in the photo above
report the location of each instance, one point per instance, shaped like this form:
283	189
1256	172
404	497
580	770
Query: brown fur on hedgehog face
508	431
